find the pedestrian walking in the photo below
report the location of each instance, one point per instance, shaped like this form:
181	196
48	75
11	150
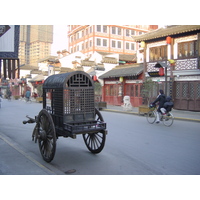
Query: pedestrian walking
27	95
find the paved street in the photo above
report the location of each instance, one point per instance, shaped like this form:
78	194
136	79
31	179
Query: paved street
133	147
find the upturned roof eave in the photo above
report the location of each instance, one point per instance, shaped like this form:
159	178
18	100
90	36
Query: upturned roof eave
164	32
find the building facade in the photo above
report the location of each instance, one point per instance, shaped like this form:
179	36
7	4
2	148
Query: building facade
35	43
123	81
105	38
171	58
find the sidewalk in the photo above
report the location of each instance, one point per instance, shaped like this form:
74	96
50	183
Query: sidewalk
15	161
178	114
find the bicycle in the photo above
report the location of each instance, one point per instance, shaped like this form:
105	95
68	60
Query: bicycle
167	118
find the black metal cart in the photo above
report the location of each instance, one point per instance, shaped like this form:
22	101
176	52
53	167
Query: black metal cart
68	110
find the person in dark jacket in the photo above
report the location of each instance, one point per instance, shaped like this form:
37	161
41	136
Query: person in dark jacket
161	100
168	105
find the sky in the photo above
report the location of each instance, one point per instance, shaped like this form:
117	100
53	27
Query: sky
60	40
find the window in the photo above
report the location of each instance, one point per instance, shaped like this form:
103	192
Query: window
127	32
105	42
113	30
119	31
187	49
107	90
132	32
127	45
119	44
98	28
132	46
132	91
158	53
90	43
111	90
77	35
113	43
105	29
136	91
98	42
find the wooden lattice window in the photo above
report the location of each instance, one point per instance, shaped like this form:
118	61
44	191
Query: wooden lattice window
191	93
158	53
185	90
177	90
187	49
198	90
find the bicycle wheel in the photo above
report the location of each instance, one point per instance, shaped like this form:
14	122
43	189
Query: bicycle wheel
168	119
151	117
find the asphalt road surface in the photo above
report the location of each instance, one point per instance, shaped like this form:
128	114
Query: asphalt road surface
133	147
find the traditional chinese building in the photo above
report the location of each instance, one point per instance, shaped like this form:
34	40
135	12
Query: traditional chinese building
123	81
9	61
171	58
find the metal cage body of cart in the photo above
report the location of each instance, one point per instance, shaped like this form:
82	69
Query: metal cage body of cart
68	110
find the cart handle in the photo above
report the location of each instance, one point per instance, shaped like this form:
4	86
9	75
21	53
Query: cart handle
30	120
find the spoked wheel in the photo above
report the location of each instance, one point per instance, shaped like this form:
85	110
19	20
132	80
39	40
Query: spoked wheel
168	119
95	141
151	117
46	135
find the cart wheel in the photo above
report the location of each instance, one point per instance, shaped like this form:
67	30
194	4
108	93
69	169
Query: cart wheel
95	141
46	135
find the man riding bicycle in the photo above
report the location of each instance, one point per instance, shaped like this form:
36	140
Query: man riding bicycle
161	99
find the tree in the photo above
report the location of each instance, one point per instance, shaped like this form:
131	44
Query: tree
97	88
40	90
147	90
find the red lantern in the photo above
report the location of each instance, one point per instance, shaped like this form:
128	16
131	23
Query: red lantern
161	71
94	78
36	82
168	40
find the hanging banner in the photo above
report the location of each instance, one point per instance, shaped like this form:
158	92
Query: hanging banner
9	41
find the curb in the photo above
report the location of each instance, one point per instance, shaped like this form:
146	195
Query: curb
135	113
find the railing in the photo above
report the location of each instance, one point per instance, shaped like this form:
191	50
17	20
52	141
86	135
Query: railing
181	64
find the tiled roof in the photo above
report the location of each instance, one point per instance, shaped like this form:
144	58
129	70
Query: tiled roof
109	60
87	63
49	59
131	70
168	31
125	57
65	70
28	67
